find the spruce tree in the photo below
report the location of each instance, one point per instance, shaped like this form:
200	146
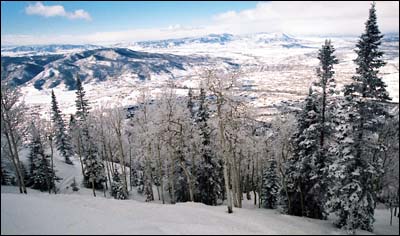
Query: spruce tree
270	186
300	168
62	138
315	128
355	170
94	175
117	188
209	170
327	84
42	175
82	104
6	178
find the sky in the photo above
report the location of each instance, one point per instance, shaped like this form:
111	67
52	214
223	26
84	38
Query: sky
105	22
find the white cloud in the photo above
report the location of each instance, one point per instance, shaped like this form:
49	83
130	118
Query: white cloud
310	18
296	18
56	10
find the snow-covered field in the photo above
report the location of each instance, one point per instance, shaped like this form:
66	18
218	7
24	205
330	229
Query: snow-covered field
41	213
79	212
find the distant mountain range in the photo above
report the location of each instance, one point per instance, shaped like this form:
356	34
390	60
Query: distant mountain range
49	71
220	39
48	66
47	49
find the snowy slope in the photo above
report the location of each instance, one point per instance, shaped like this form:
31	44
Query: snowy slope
80	213
40	213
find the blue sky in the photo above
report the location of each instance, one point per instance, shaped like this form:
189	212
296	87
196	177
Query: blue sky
103	22
113	15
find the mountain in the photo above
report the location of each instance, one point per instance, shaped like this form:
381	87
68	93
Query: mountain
211	38
97	65
271	38
45	49
215	39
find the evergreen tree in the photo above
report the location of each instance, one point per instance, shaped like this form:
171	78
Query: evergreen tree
82	104
209	172
6	178
350	192
270	186
94	175
355	170
117	187
300	168
63	140
327	84
94	170
42	174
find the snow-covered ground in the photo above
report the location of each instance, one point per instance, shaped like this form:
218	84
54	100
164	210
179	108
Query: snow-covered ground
41	213
79	212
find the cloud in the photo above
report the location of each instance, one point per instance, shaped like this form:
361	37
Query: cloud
296	18
56	10
309	18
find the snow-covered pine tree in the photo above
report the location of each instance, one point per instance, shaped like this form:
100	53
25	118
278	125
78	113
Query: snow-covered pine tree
42	174
299	167
347	196
355	170
327	84
310	145
94	174
209	170
270	186
62	138
117	187
94	169
82	104
6	178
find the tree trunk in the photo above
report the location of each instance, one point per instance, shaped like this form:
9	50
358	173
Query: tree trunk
225	158
52	165
160	172
80	154
130	168
94	192
189	180
18	161
301	201
17	169
227	188
391	213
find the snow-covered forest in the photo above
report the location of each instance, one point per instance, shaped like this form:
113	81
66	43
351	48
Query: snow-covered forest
333	162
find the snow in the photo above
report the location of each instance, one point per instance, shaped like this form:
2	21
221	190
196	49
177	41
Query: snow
79	212
41	213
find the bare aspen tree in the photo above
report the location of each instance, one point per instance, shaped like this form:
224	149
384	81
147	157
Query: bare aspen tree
12	117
